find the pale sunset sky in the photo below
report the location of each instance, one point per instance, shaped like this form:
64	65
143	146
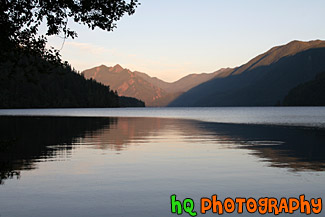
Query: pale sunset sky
172	38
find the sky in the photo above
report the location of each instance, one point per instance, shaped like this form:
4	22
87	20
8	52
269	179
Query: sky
169	39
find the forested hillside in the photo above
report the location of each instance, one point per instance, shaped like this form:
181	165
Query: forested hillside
29	81
311	93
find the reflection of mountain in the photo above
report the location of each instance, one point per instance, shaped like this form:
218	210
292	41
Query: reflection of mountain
26	140
124	132
293	147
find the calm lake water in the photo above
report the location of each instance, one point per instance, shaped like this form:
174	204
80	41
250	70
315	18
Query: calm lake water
128	162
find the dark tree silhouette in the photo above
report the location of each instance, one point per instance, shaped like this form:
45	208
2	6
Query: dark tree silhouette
32	76
20	20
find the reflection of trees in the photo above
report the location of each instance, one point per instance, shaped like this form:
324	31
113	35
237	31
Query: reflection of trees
24	140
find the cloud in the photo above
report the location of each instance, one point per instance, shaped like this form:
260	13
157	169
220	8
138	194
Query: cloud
89	48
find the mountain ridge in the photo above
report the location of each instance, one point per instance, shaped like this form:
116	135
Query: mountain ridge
262	79
276	52
224	87
152	90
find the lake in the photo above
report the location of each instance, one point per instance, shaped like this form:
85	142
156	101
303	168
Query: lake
128	162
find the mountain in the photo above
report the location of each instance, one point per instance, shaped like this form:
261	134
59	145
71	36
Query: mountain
263	81
126	83
310	93
151	90
183	84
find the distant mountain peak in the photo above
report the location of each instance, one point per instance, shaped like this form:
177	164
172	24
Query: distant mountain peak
152	90
305	42
296	46
101	67
117	68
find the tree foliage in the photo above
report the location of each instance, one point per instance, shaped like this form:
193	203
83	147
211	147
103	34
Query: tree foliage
20	20
32	76
28	81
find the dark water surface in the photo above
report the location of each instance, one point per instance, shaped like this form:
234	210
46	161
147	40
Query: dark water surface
129	166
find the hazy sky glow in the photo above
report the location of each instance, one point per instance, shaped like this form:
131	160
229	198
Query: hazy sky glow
170	39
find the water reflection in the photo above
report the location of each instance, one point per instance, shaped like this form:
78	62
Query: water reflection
124	132
27	140
294	147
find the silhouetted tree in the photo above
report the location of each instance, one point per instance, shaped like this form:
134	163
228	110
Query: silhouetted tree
32	76
20	20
